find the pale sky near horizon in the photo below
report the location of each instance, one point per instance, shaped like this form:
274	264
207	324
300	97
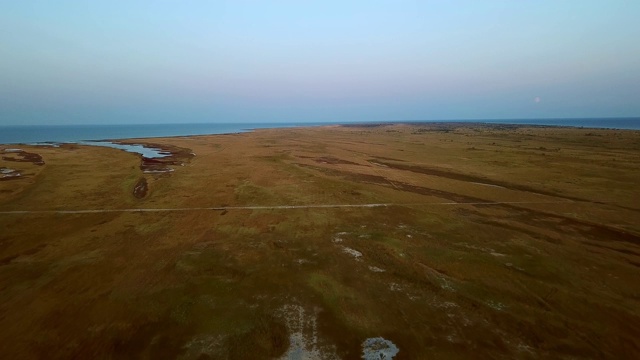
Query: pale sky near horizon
80	62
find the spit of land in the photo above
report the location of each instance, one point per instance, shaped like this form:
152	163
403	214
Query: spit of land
339	242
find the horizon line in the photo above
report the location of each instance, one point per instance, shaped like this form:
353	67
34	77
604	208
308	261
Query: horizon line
338	122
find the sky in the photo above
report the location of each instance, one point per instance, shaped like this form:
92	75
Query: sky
161	61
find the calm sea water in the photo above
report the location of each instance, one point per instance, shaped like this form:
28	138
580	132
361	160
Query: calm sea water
607	123
78	133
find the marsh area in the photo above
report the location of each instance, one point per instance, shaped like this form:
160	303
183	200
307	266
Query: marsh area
410	241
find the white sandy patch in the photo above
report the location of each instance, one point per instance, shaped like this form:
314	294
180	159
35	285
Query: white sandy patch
446	285
510	265
204	344
12	175
337	238
355	253
304	343
487	250
376	269
9	173
447	305
496	305
379	349
395	287
167	170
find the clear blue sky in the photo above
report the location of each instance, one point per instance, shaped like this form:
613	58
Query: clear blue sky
74	62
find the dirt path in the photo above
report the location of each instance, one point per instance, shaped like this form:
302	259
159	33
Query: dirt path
275	207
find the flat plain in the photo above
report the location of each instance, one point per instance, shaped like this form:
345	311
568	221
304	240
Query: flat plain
415	240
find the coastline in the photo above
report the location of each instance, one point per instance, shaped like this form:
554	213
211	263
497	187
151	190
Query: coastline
149	150
58	134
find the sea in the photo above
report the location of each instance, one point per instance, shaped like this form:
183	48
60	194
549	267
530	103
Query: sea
39	134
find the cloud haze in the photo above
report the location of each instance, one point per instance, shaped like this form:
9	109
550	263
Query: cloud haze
251	61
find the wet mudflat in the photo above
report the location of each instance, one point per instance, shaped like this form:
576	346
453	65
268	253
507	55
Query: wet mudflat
538	259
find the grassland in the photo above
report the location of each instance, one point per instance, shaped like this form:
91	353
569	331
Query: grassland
493	242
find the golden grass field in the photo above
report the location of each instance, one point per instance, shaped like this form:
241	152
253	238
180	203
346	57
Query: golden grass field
487	242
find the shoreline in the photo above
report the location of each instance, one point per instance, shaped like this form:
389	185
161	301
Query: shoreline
490	123
443	124
152	151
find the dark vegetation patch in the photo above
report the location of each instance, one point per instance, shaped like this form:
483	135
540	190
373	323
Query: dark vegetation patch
533	217
622	251
479	179
587	229
141	188
472	178
519	225
9	174
7	259
388	158
23	156
161	338
268	338
560	223
174	156
634	263
381	180
600	232
69	146
334	161
18	155
367	125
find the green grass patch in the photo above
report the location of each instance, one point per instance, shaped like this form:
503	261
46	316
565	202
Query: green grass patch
249	193
150	228
238	230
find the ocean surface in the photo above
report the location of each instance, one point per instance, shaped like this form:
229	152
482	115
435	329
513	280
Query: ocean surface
603	123
30	134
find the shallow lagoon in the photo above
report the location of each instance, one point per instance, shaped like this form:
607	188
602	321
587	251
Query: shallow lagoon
147	152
